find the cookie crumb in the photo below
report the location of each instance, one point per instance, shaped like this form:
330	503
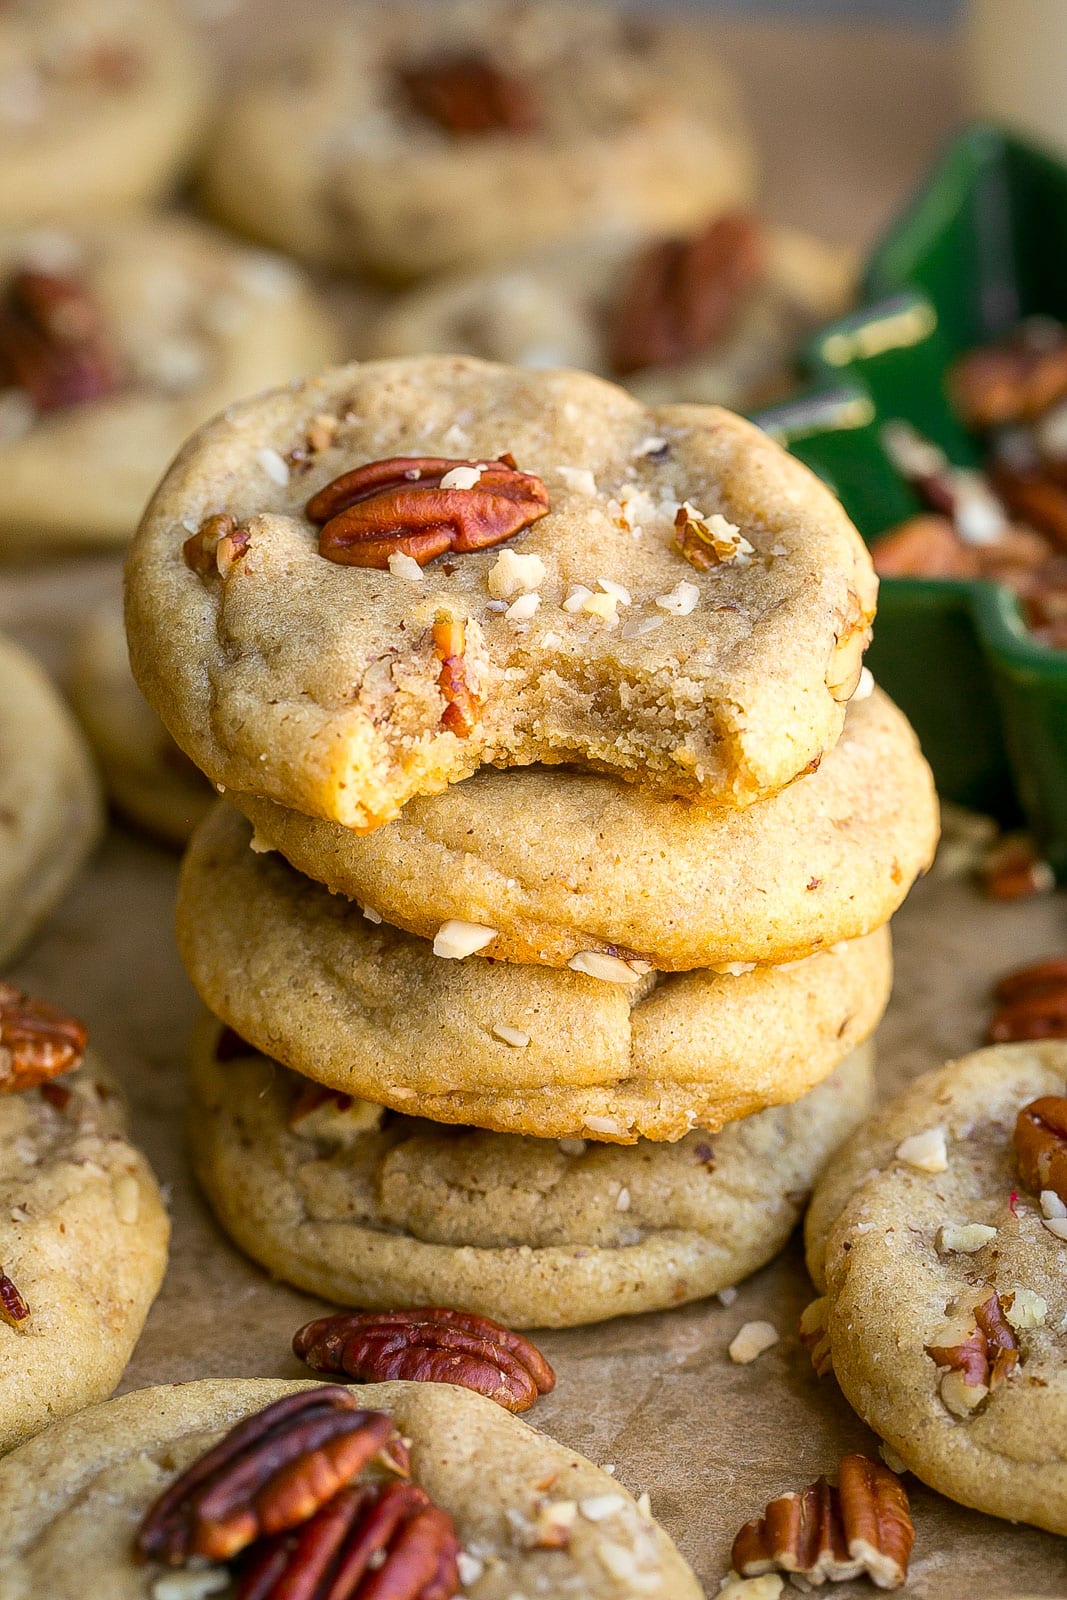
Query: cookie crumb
926	1151
751	1340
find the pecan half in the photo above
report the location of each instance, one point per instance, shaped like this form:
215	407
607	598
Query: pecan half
37	1041
1032	1003
469	95
430	1344
985	1353
216	546
823	1533
270	1473
683	295
375	1542
1014	380
1040	1142
402	506
13	1308
52	342
462	705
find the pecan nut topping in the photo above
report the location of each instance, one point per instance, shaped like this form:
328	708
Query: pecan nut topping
815	1336
369	1543
270	1473
430	1344
52	343
863	1526
37	1041
1013	381
1031	1003
1013	870
469	95
421	507
1041	1144
683	295
13	1308
462	706
216	546
984	1354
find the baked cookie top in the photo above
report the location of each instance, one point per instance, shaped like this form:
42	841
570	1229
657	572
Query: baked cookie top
374	1208
398	140
51	810
366	1009
116	340
713	316
942	1263
71	1500
551	863
101	102
678	601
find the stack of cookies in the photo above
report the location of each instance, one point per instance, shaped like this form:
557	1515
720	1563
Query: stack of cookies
543	922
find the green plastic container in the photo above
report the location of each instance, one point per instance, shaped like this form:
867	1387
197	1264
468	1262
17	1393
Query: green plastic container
981	244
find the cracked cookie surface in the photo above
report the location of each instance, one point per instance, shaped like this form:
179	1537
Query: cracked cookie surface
918	1221
318	685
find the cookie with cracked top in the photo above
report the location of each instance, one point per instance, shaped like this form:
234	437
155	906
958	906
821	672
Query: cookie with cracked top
678	602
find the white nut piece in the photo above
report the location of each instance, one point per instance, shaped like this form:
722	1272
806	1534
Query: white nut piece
598	1507
965	1237
194	1584
514	573
609	969
274	465
637	627
509	1035
1027	1310
680	600
461	478
751	1340
1051	1204
402	566
456	939
961	1398
865	685
926	1151
522	609
127	1196
768	1586
618	591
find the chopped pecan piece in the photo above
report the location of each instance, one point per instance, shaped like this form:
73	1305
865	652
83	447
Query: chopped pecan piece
985	1352
270	1473
683	295
1013	870
370	1543
1036	499
1014	380
13	1308
431	1344
217	545
1041	1144
711	541
414	506
52	342
1032	1003
461	703
469	95
823	1533
37	1041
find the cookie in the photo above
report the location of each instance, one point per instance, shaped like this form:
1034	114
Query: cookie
173	322
148	778
51	813
570	307
372	1011
397	142
101	105
71	1501
377	1209
925	1235
560	862
341	690
83	1239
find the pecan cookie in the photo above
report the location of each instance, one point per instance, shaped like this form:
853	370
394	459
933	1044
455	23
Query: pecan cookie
148	778
116	340
937	1239
71	1501
51	814
364	1008
101	102
374	1208
558	863
715	316
83	1232
684	605
398	141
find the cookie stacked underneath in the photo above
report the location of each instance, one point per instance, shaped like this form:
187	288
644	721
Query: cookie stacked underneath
574	1037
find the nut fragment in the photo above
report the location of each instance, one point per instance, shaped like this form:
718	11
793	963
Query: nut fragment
13	1308
815	1336
1013	870
980	1346
271	1472
52	343
469	95
1041	1145
462	706
707	542
751	1340
216	546
966	1238
1014	380
400	504
37	1041
432	1344
823	1533
455	940
926	1151
1032	1003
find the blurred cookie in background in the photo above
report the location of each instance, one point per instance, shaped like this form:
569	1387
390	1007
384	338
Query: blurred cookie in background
116	341
101	105
715	315
413	140
148	779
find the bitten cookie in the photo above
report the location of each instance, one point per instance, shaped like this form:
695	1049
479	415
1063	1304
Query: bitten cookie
684	605
555	863
101	104
364	1008
942	1265
148	778
376	1209
116	340
400	141
83	1232
71	1501
51	814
